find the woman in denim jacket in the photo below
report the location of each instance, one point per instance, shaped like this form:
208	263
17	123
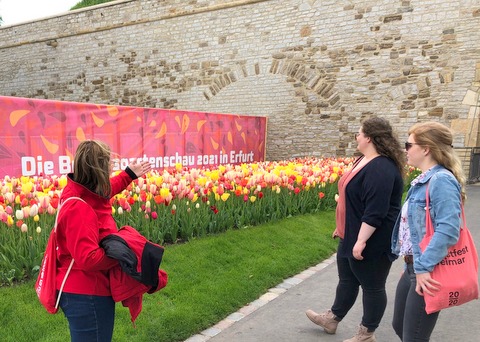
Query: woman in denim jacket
429	148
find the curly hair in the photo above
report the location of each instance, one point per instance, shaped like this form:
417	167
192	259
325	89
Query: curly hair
439	138
91	167
385	141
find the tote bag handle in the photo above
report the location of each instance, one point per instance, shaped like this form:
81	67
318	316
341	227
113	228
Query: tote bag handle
71	263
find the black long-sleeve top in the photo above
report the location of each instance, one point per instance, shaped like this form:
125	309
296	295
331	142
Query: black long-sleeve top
373	196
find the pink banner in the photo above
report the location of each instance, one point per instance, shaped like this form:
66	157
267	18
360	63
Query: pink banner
39	137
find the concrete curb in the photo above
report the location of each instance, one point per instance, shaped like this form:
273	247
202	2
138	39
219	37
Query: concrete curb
266	298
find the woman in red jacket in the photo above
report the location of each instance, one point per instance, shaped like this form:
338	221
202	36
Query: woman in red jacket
86	299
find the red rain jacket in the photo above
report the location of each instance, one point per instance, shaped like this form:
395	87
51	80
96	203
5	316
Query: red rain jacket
80	228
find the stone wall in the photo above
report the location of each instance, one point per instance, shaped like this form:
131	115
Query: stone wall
315	68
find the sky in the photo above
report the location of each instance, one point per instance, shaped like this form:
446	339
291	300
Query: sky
17	11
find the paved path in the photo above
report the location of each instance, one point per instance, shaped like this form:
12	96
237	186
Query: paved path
279	315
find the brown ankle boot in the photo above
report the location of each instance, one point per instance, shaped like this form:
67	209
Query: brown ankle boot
362	335
326	320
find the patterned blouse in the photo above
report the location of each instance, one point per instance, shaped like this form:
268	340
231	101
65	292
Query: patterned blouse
404	230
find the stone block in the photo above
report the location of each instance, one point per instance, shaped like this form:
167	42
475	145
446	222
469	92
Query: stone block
438	111
392	17
471	98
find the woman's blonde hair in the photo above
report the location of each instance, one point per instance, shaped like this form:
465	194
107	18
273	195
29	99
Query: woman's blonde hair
91	167
439	139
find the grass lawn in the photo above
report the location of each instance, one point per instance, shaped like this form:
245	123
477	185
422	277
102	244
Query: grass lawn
209	278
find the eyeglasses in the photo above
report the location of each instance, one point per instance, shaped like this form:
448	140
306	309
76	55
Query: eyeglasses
408	145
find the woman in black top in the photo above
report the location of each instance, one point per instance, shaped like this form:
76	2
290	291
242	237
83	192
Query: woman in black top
369	201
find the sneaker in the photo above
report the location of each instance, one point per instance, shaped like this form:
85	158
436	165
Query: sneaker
326	320
362	335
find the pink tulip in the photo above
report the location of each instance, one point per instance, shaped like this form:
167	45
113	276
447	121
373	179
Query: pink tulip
44	201
10	197
46	183
24	228
9	210
26	212
153	189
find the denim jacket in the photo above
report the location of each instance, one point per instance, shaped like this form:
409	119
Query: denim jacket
445	211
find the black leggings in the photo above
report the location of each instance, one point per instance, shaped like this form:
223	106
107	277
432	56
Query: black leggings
371	275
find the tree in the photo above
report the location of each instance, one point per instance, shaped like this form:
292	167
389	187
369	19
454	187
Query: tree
88	3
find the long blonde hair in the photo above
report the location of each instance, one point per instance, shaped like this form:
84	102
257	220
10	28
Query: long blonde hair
439	138
91	167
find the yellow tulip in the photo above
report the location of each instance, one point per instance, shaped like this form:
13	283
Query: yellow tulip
333	177
62	181
214	175
27	188
159	181
202	181
164	192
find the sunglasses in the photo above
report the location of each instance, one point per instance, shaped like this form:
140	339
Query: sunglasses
408	145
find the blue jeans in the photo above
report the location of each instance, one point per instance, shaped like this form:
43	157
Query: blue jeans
90	318
410	321
371	275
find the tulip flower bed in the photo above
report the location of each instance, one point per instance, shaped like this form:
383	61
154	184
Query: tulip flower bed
170	206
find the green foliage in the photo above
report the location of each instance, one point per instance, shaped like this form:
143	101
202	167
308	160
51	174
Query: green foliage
21	253
88	3
183	220
209	278
411	174
180	220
